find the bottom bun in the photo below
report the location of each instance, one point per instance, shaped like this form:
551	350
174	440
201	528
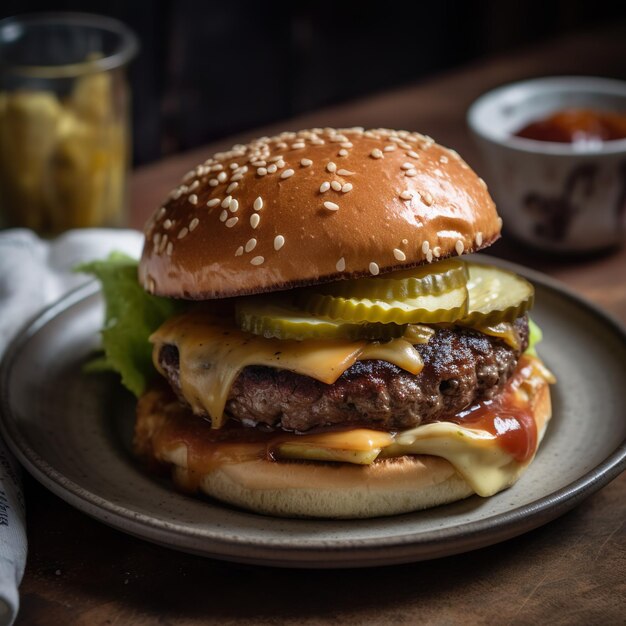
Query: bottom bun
309	489
165	433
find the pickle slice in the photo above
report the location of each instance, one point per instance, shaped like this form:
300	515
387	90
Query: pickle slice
431	279
271	318
306	452
496	296
428	309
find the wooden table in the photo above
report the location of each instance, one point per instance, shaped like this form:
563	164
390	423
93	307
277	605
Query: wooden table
572	570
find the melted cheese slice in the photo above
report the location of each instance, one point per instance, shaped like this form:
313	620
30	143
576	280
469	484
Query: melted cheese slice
475	454
212	353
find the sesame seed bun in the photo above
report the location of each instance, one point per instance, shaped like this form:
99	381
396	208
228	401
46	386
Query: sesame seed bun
314	206
314	489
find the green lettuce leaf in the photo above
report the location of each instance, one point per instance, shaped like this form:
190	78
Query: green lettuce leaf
131	316
534	337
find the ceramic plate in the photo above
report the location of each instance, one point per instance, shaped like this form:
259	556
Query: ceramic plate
72	432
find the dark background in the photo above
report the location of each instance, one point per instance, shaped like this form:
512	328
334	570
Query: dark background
210	69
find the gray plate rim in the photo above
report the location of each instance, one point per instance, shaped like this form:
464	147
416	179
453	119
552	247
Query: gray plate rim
366	552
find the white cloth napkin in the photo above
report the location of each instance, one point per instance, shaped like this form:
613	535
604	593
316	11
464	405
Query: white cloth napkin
34	273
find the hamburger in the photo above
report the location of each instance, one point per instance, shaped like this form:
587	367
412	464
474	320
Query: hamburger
331	353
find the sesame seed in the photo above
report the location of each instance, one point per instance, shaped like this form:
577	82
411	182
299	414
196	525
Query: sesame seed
156	239
306	162
250	245
237	176
413	154
389	148
239	251
346	144
437	251
343	152
279	242
232	187
347	187
214	182
374	269
223	215
255	218
193	224
222	176
406	195
272	168
407	166
160	213
226	202
331	206
278	157
425	247
183	232
217	167
341	265
213	202
287	173
194	185
443	159
258	204
400	256
427	199
335	185
411	172
233	206
499	222
261	171
404	145
325	186
405	242
479	239
258	163
429	256
280	164
230	222
345	173
167	224
169	249
257	260
163	243
376	153
331	167
234	166
298	145
459	247
482	182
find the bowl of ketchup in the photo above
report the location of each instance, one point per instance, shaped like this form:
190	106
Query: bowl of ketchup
555	160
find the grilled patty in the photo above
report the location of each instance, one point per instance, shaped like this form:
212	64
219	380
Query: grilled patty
461	366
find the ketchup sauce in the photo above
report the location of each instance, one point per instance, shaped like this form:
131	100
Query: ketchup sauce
507	416
576	126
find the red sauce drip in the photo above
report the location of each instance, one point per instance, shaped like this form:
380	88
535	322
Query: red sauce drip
507	416
576	125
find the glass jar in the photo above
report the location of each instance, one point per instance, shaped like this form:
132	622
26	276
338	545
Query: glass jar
64	121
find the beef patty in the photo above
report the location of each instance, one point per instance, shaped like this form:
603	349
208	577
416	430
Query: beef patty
461	366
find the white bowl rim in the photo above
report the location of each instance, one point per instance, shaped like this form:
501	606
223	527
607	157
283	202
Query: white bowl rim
583	84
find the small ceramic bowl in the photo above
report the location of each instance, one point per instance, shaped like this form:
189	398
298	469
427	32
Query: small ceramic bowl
560	197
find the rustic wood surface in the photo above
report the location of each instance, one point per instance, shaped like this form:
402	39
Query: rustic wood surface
571	571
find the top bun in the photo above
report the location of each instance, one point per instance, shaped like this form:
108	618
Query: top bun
314	206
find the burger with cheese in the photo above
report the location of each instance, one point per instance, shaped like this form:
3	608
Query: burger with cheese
331	353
